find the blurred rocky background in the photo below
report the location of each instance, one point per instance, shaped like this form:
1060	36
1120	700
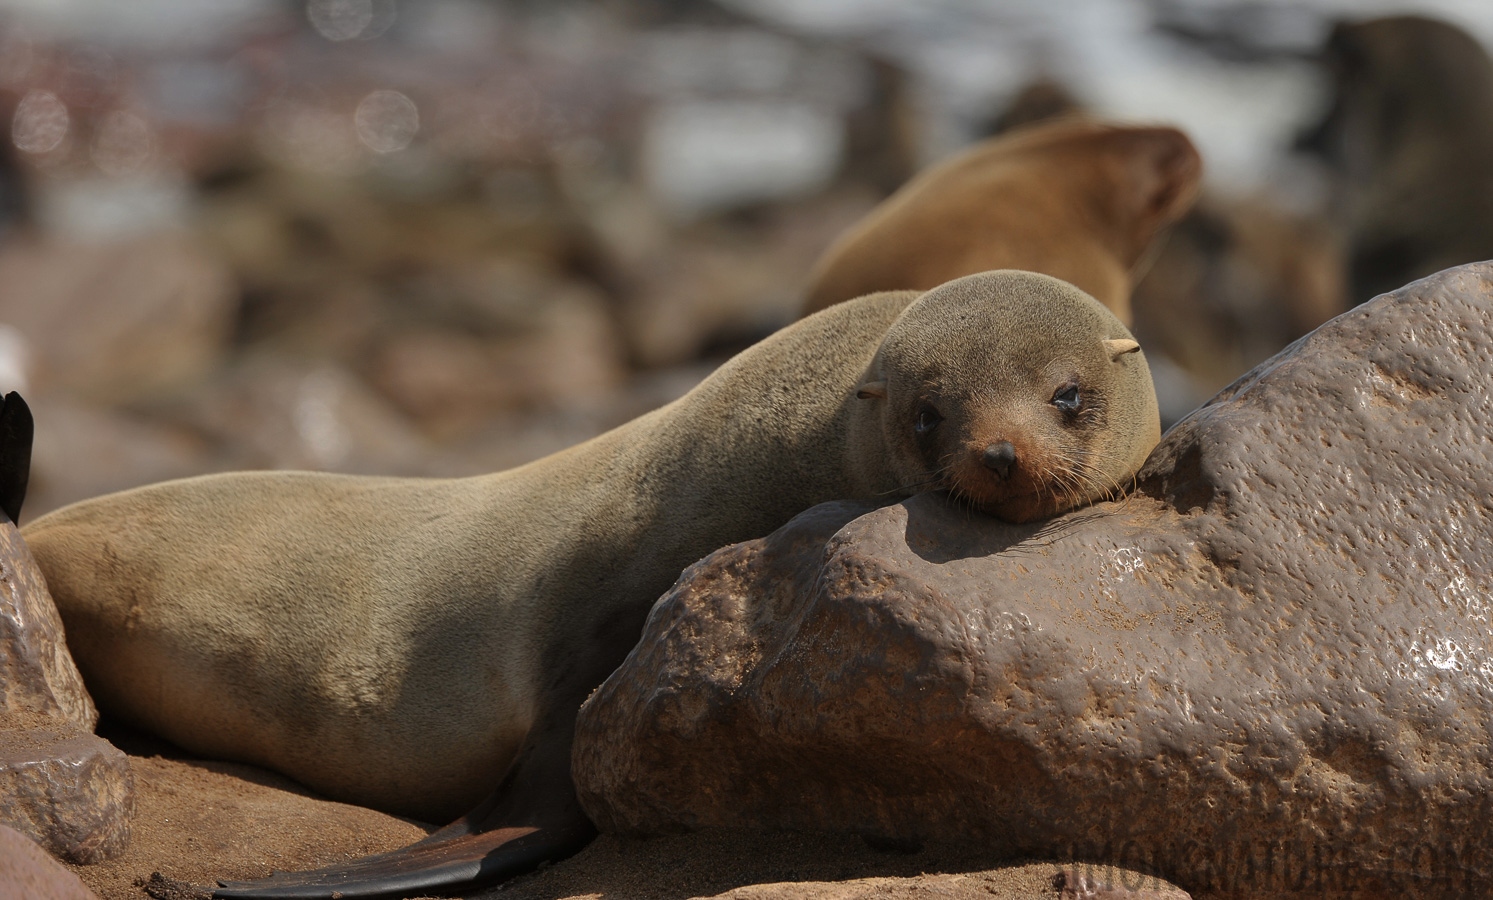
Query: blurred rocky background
449	236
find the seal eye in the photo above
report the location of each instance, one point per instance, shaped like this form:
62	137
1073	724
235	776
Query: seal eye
928	419
1067	398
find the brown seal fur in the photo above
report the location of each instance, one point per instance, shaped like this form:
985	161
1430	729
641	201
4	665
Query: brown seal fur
412	644
1409	139
1075	199
1050	422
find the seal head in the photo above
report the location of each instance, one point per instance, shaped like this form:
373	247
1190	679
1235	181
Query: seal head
1015	392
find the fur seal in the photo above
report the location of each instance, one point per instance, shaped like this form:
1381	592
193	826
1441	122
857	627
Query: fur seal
414	644
1408	137
1076	199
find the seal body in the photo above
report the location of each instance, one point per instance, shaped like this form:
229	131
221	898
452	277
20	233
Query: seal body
413	644
1407	137
1075	199
396	642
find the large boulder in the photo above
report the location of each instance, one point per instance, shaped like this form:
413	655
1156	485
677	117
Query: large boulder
1270	668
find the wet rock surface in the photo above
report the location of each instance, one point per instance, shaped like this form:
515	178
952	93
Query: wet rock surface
1267	670
27	871
70	791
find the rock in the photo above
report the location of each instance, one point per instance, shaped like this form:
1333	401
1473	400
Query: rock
83	450
37	674
270	410
736	864
961	886
117	321
514	340
60	785
68	790
1267	670
1079	882
27	871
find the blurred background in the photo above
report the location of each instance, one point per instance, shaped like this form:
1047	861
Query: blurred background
444	237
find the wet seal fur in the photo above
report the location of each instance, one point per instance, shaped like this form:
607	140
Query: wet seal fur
416	644
1077	199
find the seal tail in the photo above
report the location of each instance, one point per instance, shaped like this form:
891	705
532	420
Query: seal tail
16	432
459	854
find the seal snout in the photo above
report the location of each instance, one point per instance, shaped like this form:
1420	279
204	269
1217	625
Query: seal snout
1000	458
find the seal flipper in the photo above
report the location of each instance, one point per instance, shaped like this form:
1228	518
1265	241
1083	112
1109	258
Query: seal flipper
16	432
453	856
532	818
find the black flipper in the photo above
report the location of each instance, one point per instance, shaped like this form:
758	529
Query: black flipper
450	857
16	431
532	818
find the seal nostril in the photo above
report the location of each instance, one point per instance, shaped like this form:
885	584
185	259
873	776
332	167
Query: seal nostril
1000	457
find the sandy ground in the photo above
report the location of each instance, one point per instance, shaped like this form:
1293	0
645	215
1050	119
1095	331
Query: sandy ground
197	821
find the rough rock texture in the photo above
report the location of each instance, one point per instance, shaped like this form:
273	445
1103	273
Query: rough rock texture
1268	670
37	673
60	785
27	871
68	790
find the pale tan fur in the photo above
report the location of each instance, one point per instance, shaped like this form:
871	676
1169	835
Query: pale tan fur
404	643
1075	199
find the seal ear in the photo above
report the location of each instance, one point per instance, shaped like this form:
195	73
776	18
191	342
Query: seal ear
1162	171
1118	347
870	389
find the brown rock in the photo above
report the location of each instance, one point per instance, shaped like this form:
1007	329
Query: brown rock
555	344
1081	882
117	321
273	411
68	790
736	864
27	871
59	784
1268	670
37	674
83	450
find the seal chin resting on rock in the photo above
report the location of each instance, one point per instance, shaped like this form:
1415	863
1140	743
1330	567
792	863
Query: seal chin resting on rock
1048	417
416	644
